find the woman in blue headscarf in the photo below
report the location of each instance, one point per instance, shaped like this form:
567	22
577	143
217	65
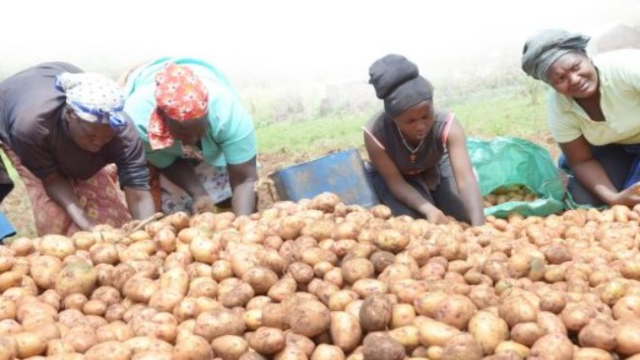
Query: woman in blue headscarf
593	114
64	131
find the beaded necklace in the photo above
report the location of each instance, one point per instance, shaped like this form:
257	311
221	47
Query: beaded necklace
412	152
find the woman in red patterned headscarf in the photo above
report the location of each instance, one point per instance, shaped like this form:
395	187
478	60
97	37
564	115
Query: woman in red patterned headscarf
196	133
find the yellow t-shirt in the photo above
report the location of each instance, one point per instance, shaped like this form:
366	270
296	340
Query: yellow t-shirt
619	76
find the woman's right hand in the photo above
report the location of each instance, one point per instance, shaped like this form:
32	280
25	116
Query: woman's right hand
203	204
436	216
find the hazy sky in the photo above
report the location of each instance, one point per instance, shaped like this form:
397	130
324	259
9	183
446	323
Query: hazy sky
271	38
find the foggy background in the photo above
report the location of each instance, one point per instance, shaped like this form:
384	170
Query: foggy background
273	49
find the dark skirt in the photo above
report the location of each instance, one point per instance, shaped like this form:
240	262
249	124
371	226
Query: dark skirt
621	163
445	196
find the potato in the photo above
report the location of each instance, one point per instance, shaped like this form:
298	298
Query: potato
57	346
10	279
192	347
592	354
267	341
628	338
527	333
44	270
552	346
309	318
327	352
434	332
345	330
76	278
391	240
29	344
81	338
56	245
550	323
599	334
517	309
219	322
108	350
489	330
229	347
408	336
261	279
141	344
455	310
375	313
462	347
380	346
153	355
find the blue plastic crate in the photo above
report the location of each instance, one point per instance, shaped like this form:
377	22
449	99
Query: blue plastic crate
341	173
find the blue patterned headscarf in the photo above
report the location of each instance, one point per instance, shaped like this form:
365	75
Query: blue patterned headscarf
93	97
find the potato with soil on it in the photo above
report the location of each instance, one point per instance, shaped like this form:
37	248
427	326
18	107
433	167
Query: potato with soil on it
267	341
375	313
309	318
76	278
489	330
391	240
517	309
455	310
552	347
229	347
192	347
462	347
380	346
598	334
325	202
219	322
356	269
108	350
628	338
345	330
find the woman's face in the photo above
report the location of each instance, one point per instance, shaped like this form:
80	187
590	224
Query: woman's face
88	136
416	122
573	75
190	131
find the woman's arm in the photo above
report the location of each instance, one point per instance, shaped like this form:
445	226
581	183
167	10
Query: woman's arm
183	175
60	190
463	171
400	189
242	178
140	203
592	176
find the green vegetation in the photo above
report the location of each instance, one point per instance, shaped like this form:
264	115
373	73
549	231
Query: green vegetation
486	114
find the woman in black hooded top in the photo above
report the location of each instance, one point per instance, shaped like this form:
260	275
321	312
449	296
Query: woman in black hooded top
421	166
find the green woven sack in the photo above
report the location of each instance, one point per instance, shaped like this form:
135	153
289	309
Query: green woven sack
506	161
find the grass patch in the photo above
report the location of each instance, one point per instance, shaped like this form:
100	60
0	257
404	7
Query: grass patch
507	114
331	132
484	116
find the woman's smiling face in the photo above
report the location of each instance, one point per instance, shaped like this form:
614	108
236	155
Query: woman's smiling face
573	75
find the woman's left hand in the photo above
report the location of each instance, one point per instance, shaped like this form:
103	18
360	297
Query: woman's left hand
629	196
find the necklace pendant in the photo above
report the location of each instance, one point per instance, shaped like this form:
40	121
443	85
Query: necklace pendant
412	158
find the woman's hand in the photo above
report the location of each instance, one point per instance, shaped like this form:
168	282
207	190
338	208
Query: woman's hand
436	216
629	196
203	204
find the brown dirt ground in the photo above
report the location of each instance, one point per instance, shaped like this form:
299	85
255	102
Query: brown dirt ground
17	207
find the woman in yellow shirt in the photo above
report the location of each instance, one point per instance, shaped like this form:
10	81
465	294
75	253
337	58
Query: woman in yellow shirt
593	114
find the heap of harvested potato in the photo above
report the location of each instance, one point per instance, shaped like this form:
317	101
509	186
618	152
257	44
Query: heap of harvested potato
323	281
503	194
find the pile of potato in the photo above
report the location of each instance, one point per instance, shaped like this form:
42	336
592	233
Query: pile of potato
503	194
323	281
